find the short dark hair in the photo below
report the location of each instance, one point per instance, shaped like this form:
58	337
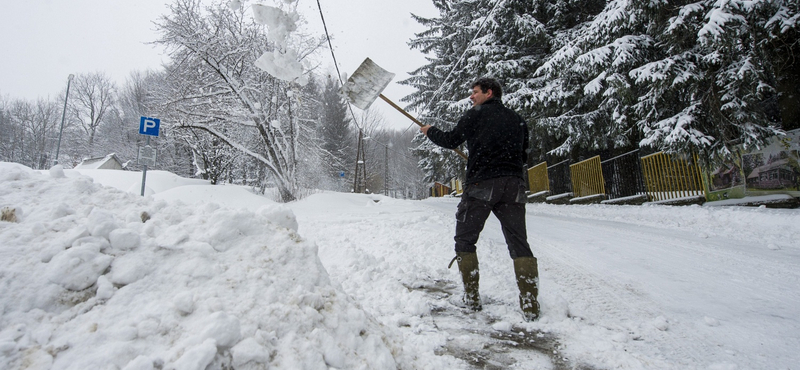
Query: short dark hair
486	83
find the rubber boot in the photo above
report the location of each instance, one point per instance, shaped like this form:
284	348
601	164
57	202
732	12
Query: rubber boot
527	270
470	275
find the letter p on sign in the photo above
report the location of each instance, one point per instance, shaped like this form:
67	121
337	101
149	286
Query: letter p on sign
149	126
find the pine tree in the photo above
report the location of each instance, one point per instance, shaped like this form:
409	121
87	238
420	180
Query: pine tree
443	84
499	39
716	87
336	132
604	76
682	77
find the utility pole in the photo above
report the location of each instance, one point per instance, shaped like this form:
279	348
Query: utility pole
63	116
358	159
385	164
386	172
360	162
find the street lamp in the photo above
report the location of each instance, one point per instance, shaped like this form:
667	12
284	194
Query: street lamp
63	116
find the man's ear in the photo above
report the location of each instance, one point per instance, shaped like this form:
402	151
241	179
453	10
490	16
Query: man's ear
489	93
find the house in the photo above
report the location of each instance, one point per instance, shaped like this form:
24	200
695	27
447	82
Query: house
109	162
776	175
725	177
439	190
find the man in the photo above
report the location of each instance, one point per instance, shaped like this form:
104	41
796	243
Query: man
497	141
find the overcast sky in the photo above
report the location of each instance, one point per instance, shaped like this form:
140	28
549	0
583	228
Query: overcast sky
43	41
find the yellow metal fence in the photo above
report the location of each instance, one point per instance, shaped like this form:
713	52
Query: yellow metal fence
537	178
455	184
587	178
672	176
439	190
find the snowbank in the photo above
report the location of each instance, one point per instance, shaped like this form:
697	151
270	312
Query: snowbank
85	284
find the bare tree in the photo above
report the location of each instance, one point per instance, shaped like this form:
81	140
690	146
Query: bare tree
28	131
212	157
42	129
90	100
371	123
216	87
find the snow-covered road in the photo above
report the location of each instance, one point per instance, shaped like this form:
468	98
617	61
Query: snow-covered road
723	297
630	287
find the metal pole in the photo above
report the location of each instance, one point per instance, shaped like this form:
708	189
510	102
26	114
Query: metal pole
386	173
63	116
144	173
358	156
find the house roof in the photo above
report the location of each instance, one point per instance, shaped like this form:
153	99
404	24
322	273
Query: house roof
776	164
95	163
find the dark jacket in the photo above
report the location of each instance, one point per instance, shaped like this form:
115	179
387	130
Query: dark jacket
497	140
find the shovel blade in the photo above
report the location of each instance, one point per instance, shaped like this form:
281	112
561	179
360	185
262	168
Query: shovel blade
366	84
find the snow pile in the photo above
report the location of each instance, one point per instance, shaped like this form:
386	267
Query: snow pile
284	62
131	181
86	284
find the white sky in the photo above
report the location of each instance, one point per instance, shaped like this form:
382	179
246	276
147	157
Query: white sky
43	41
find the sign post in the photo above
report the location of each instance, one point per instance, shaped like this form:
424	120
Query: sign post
147	155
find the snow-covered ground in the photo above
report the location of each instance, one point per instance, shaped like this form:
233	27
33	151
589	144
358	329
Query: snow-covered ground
218	277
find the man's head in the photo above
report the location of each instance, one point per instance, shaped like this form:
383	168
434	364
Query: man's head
484	89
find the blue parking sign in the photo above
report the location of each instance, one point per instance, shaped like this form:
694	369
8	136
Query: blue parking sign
149	126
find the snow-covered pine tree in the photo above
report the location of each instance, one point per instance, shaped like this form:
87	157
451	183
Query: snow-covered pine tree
470	39
440	85
716	83
312	171
337	135
781	46
680	76
581	92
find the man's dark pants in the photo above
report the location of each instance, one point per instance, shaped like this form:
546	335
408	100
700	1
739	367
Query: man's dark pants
503	196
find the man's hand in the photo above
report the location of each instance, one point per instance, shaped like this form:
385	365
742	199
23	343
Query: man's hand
424	129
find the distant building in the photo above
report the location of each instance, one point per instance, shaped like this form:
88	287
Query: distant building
439	190
725	176
775	175
109	162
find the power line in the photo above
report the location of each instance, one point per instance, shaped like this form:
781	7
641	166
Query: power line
336	65
360	150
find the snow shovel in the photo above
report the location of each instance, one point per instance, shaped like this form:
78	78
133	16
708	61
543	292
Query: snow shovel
366	84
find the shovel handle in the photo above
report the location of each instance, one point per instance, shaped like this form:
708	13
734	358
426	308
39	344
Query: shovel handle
401	110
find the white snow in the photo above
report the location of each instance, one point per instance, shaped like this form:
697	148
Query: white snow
219	277
284	63
280	24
